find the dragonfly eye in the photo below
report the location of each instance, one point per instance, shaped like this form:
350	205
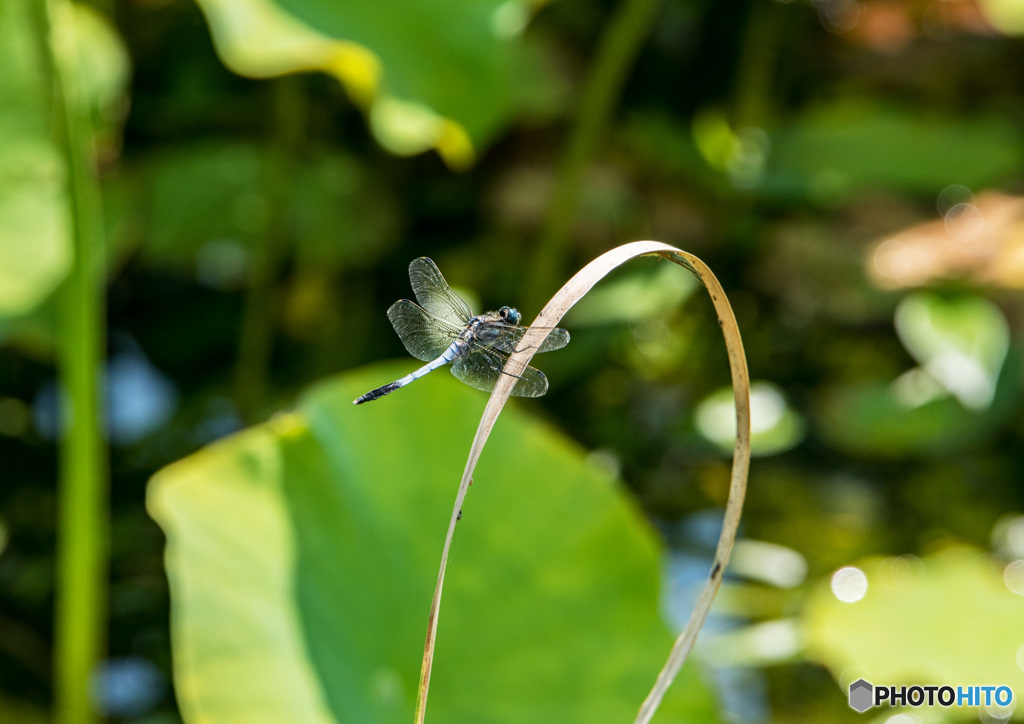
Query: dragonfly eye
510	314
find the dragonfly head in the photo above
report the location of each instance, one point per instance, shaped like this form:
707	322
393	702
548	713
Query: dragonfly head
510	315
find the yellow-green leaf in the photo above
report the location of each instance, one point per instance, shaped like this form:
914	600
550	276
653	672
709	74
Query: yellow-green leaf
302	556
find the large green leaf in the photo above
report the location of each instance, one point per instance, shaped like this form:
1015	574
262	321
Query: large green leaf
35	246
302	556
35	251
455	56
443	74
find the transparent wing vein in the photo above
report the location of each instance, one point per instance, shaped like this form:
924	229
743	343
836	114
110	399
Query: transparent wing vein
482	366
434	294
425	336
509	336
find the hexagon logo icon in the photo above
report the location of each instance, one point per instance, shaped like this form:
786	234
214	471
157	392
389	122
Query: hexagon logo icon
861	695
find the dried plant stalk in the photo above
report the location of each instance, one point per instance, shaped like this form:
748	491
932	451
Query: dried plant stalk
560	303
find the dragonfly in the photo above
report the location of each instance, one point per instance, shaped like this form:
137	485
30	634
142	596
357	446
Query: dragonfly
442	330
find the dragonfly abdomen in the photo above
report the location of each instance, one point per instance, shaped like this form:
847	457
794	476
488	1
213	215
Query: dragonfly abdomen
449	354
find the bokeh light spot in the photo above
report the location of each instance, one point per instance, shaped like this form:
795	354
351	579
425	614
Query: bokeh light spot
965	222
839	16
849	584
903	719
953	195
127	686
901	263
1013	575
1008	536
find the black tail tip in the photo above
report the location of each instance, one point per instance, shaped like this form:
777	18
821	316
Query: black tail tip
374	394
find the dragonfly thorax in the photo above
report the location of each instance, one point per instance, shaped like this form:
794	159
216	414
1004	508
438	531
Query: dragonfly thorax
488	327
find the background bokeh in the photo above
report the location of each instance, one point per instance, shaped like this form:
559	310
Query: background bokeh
853	171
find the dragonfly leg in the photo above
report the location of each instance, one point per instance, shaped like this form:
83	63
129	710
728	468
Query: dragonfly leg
511	374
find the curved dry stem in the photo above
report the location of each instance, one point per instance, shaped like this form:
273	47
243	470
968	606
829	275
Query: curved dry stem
560	303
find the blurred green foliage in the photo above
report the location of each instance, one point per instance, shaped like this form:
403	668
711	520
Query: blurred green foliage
258	228
900	631
163	208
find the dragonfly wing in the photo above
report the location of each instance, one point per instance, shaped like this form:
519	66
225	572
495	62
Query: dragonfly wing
510	335
425	336
557	339
482	367
532	383
434	294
